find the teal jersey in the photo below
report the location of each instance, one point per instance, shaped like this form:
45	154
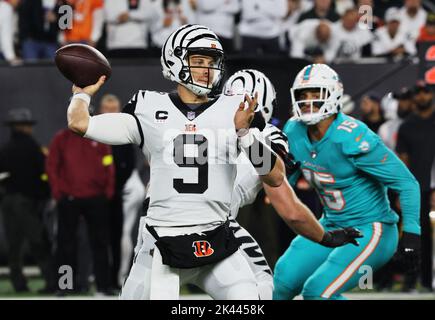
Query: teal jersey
351	169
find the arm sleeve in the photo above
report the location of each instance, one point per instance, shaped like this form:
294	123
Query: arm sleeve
276	10
7	36
378	45
97	24
208	6
297	42
382	164
232	7
111	12
114	129
250	11
145	12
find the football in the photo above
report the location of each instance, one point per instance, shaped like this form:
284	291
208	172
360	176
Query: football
83	65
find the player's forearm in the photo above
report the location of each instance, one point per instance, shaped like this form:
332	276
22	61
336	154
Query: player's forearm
297	216
409	197
275	177
265	161
78	115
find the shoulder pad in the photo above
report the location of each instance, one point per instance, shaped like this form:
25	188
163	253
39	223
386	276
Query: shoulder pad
131	105
290	126
355	137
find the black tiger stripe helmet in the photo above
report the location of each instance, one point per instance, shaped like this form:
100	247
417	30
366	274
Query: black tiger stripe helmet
187	40
250	81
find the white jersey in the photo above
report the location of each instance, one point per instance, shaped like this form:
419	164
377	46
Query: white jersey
248	183
192	156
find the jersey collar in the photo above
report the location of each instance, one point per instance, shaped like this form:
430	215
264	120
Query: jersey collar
185	110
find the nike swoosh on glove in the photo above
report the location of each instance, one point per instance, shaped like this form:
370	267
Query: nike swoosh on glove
341	237
408	253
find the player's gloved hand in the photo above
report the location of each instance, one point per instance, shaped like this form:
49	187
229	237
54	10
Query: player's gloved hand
340	237
291	165
408	253
279	145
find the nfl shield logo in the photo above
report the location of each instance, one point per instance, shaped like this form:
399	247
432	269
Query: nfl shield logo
191	115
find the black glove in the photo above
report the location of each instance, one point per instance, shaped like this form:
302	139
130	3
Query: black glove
340	237
258	121
291	165
408	253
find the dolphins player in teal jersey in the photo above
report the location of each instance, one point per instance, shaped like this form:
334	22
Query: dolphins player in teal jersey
351	170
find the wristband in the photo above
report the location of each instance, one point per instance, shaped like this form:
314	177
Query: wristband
246	138
83	96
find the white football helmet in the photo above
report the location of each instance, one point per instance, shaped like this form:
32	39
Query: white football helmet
186	40
322	77
250	81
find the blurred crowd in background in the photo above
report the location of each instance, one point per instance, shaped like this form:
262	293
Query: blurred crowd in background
77	202
322	30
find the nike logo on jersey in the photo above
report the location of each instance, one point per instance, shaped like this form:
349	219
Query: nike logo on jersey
357	139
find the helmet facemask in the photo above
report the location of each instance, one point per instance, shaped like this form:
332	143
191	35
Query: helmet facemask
325	104
214	74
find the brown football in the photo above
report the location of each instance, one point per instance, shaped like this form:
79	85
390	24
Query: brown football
83	65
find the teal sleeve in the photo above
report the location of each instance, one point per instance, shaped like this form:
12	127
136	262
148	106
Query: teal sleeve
382	164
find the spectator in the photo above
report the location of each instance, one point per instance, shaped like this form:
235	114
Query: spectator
81	175
371	111
323	9
342	5
124	160
128	24
412	18
294	10
38	30
172	14
87	23
388	131
313	38
427	33
7	30
260	25
390	40
25	198
218	15
416	148
353	39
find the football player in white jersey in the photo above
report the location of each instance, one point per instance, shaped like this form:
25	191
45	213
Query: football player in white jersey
192	143
247	183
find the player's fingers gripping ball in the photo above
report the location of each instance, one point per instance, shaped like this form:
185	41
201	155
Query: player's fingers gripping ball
83	65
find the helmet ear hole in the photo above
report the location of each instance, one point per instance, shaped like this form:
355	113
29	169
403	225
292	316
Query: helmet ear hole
182	75
178	51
